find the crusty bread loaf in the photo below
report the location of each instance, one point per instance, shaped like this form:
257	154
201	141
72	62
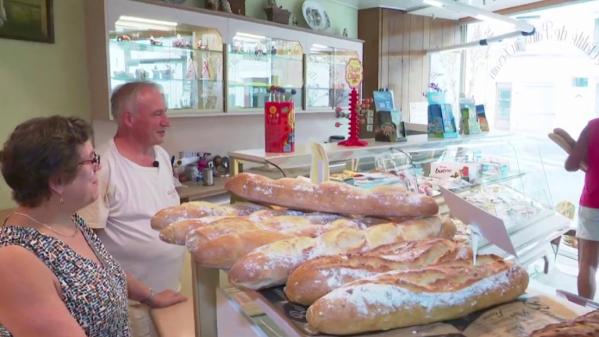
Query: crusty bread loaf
222	252
586	325
316	278
271	264
176	232
223	242
413	297
188	210
566	142
331	197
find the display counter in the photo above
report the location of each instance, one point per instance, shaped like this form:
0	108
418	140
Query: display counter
505	166
247	313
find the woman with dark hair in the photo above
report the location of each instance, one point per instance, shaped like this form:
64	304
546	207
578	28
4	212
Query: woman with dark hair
56	278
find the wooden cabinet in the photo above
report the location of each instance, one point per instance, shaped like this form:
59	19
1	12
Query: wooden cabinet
395	56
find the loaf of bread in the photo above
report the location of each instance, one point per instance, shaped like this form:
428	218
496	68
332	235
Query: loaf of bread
225	241
331	197
566	142
420	296
586	325
176	232
271	264
316	278
199	209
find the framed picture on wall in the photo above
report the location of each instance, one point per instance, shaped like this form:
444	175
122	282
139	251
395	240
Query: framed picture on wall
30	20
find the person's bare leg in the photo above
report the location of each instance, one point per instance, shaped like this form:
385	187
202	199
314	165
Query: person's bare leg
588	256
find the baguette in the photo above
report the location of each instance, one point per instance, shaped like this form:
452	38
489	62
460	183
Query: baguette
176	232
188	210
271	264
316	278
331	197
565	135
224	251
420	296
222	243
583	326
567	143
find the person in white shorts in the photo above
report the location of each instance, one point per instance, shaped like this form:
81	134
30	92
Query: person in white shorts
585	156
135	182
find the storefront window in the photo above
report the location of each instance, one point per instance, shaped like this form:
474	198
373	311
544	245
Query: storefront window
532	84
552	76
445	72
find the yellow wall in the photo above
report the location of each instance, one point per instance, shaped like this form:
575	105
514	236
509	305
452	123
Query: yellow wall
40	79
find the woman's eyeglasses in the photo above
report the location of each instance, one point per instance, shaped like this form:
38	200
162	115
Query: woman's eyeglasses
94	161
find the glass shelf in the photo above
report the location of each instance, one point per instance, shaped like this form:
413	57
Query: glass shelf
186	61
325	78
252	68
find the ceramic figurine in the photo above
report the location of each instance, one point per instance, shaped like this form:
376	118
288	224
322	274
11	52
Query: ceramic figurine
212	4
226	6
154	41
123	37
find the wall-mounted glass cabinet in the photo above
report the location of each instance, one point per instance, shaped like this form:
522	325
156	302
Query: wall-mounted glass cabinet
326	86
186	61
257	63
209	63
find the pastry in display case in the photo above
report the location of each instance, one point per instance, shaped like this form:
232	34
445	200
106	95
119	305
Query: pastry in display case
187	61
255	64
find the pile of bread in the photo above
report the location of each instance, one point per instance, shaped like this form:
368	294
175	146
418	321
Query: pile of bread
361	260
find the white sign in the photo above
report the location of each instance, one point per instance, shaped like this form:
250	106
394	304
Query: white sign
489	226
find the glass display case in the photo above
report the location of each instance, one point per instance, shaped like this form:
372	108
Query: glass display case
256	64
187	61
504	174
326	86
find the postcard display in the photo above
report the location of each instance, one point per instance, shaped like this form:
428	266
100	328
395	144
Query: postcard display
441	123
469	124
388	126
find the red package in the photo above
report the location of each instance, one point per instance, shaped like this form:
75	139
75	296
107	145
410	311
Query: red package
279	127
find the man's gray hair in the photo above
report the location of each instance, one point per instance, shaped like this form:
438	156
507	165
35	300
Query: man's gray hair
124	97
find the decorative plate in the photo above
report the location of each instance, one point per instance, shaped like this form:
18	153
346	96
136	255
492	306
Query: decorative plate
315	15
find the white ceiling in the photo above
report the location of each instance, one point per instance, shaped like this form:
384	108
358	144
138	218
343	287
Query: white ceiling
416	6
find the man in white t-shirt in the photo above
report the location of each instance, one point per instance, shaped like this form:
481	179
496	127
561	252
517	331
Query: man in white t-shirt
135	182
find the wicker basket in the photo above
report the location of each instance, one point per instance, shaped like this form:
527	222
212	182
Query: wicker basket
278	15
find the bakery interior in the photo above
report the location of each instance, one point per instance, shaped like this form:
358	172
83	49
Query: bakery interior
502	74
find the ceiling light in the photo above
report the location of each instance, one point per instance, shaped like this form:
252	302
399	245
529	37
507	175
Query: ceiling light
135	23
250	36
148	21
433	3
487	18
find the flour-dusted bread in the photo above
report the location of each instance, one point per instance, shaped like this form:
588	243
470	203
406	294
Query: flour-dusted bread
586	325
176	232
223	242
331	197
420	296
316	278
189	210
271	264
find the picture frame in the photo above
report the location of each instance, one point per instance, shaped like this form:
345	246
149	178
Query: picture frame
29	20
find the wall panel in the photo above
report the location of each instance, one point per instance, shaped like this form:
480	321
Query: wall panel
403	64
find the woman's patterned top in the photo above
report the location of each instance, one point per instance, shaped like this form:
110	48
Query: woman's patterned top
95	295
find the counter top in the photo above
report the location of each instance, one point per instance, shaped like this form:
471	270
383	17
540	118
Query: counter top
192	191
